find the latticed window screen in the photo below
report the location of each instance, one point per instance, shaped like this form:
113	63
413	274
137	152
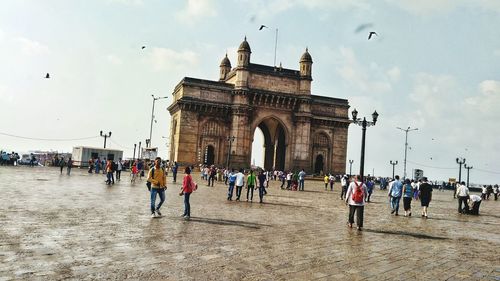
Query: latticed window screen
321	140
212	128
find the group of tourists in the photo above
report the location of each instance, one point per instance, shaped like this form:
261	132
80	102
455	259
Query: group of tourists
157	185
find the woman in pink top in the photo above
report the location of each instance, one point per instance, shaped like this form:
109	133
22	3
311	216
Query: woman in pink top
187	189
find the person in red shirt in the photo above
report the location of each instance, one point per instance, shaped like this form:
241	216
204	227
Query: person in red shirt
186	190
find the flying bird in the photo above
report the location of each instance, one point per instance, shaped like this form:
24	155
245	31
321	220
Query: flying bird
363	27
47	76
262	26
143	47
371	34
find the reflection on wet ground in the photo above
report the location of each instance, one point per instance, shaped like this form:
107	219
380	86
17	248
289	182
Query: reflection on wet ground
58	227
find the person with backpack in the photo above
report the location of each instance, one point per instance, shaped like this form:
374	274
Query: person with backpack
70	165
395	192
232	180
188	186
158	181
355	199
407	196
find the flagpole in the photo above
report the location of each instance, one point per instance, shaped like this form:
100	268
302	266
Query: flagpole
275	46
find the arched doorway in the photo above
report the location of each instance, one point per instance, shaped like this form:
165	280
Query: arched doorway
209	155
318	164
274	149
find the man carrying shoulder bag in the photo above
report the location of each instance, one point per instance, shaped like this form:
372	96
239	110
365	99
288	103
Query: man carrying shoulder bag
157	183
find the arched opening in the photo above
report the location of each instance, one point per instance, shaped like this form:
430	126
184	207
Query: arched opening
273	147
258	148
209	155
318	164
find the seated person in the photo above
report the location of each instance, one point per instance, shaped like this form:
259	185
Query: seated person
474	203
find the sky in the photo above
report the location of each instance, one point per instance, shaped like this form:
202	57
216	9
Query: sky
433	66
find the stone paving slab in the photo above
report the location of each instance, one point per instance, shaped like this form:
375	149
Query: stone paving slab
56	227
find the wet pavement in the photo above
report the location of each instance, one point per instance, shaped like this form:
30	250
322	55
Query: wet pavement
75	227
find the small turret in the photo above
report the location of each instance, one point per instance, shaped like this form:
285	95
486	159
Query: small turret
225	68
306	65
244	52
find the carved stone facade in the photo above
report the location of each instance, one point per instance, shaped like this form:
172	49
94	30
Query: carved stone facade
300	130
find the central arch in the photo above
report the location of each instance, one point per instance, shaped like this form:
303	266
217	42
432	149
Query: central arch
274	143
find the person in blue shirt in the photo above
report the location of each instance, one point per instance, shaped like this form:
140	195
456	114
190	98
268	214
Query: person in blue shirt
232	181
407	196
175	167
394	194
369	188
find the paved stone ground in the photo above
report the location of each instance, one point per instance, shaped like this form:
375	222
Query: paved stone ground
75	227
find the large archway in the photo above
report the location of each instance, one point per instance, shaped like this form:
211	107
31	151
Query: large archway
274	149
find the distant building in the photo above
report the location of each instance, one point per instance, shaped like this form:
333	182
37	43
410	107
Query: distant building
82	154
300	130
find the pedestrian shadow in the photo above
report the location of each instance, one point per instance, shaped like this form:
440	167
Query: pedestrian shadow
466	221
229	222
313	191
404	233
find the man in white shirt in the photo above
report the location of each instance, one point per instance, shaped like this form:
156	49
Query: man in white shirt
463	196
240	181
343	182
475	202
355	199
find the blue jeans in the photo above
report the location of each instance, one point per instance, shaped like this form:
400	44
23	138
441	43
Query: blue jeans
261	192
161	193
187	206
301	184
230	191
395	204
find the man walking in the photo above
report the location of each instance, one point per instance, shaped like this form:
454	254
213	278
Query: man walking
175	167
70	165
463	197
262	182
232	181
119	168
355	199
240	181
343	182
395	192
425	195
62	164
302	175
156	177
251	179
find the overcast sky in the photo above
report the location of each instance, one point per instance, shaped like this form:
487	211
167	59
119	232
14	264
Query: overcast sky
434	66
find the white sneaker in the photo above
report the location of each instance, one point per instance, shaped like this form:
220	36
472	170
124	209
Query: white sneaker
153	215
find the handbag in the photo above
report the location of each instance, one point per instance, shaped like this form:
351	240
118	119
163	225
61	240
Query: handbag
148	184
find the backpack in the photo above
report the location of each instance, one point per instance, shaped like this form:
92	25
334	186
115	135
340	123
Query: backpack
357	195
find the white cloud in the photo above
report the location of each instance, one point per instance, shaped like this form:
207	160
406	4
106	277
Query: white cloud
496	53
394	74
127	2
31	47
427	7
364	79
196	10
113	59
487	102
163	58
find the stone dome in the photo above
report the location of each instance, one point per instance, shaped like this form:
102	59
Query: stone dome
306	57
225	62
244	46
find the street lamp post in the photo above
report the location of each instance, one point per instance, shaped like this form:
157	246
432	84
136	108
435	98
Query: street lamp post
230	140
105	137
363	123
139	151
350	167
460	162
393	165
148	141
152	117
468	170
406	144
135	146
